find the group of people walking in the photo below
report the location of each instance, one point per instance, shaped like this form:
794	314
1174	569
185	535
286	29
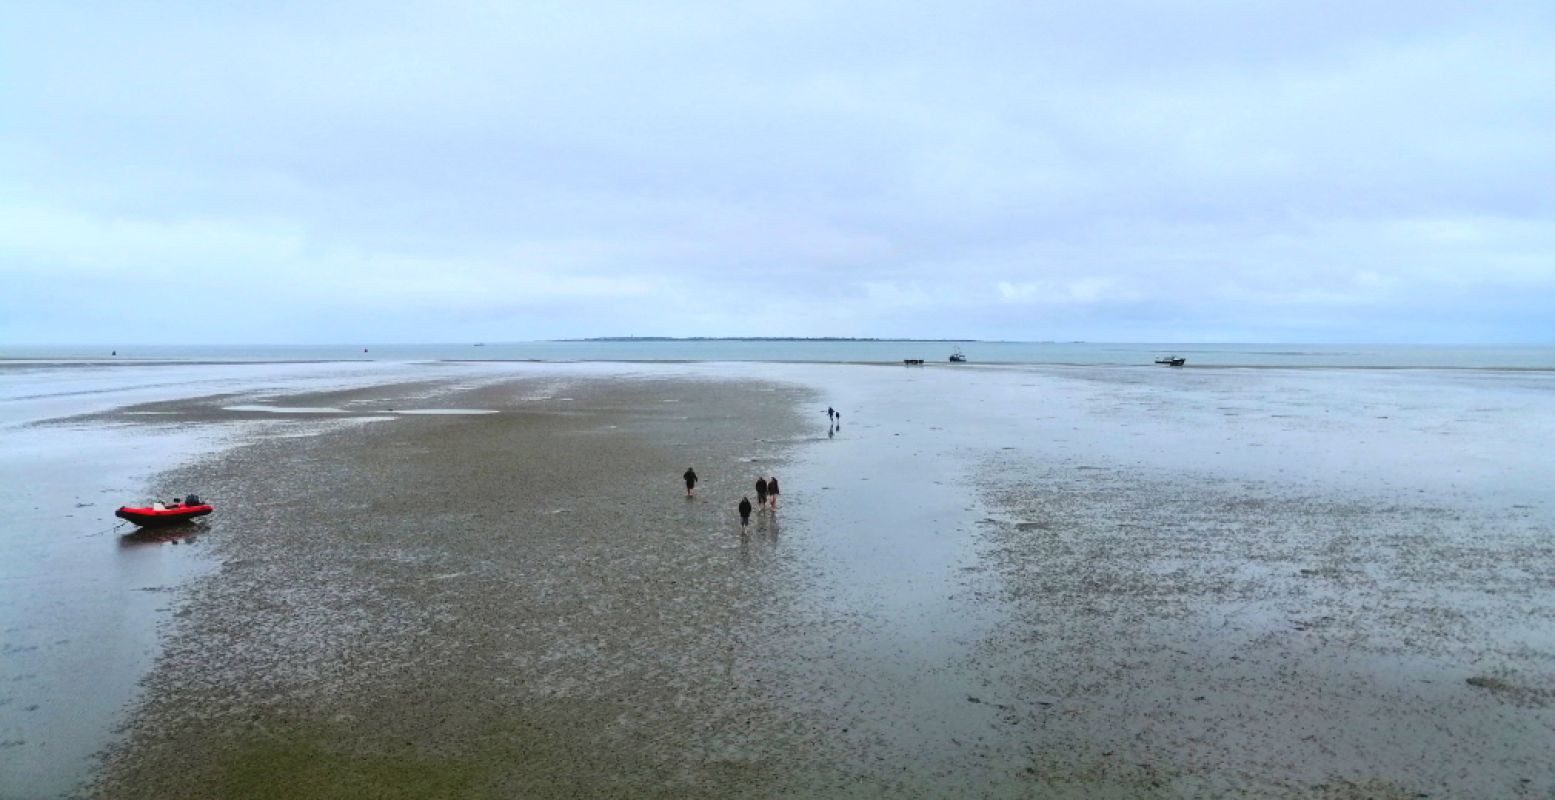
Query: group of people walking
767	491
766	497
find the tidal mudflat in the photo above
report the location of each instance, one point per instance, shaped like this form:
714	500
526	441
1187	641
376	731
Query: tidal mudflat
79	604
998	582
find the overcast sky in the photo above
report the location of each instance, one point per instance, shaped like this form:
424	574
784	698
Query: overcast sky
487	171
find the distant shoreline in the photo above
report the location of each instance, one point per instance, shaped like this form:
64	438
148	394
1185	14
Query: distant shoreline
750	339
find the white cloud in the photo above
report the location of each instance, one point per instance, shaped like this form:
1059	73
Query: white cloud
1085	291
61	242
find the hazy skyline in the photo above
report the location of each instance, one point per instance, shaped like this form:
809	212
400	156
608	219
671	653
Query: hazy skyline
458	171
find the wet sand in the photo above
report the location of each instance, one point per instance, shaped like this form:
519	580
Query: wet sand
1240	639
520	603
993	583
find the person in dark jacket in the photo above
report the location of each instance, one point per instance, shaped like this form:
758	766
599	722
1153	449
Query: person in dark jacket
745	513
691	480
772	491
761	492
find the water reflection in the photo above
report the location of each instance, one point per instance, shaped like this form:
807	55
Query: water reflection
758	541
166	534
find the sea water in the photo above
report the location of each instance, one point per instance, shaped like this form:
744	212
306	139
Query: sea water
1351	356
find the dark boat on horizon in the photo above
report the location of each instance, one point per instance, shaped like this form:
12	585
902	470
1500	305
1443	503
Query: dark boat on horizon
1172	361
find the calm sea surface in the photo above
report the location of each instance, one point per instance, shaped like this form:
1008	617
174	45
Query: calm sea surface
1078	354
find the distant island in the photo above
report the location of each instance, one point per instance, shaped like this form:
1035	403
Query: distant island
749	339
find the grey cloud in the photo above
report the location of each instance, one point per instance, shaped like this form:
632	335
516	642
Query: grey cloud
1012	170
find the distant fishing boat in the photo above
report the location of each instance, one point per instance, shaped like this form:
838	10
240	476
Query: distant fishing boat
913	362
1172	361
958	357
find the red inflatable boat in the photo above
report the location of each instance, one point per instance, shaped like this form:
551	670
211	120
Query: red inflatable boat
159	514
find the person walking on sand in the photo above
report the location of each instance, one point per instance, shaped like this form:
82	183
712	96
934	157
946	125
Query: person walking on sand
745	513
691	480
772	491
761	492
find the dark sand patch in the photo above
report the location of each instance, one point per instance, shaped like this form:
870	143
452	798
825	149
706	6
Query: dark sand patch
1209	637
403	611
271	405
